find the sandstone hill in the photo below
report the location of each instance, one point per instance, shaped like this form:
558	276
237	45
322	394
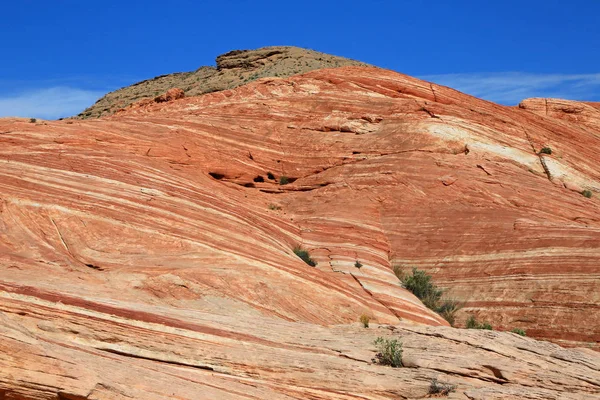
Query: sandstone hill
149	254
232	69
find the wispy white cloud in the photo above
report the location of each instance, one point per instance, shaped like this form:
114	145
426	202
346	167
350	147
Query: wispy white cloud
48	103
512	87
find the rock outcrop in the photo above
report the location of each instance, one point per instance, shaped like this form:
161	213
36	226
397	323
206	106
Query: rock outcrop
233	69
158	243
170	95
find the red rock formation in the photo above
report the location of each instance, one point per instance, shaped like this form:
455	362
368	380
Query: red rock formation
158	242
170	95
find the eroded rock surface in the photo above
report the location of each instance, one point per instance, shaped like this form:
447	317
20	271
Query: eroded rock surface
232	69
158	243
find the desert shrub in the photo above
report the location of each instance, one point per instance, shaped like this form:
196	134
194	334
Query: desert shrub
441	388
587	193
519	331
274	207
32	120
389	352
472	323
421	285
546	150
448	309
304	255
358	264
284	180
364	320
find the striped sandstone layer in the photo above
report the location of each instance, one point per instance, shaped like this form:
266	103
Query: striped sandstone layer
158	243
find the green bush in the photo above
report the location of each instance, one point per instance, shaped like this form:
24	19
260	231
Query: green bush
358	264
587	193
32	120
437	387
546	150
304	255
448	309
284	180
472	323
274	207
519	331
389	352
421	285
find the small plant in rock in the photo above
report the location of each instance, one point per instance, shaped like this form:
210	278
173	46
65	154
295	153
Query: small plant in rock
32	120
546	150
421	285
587	193
284	180
472	323
364	320
358	264
441	388
389	352
274	207
304	255
448	309
519	331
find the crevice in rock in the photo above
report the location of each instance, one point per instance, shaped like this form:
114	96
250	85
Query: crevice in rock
497	373
61	237
92	266
471	376
545	166
433	92
539	155
374	298
483	169
66	396
350	358
439	335
216	175
179	363
431	114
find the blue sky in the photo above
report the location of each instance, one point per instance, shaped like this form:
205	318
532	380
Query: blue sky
60	56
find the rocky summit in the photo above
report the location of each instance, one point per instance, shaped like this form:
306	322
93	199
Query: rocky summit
150	254
233	69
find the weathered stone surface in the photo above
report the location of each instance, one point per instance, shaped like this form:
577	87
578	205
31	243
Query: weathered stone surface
93	350
170	95
157	243
232	69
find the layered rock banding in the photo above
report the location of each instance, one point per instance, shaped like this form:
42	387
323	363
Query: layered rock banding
232	69
158	242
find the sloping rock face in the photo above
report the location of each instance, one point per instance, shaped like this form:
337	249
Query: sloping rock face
157	243
232	69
